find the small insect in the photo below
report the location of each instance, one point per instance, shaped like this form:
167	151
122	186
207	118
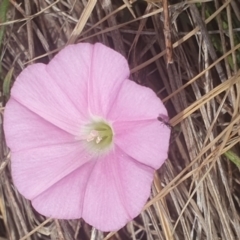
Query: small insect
165	120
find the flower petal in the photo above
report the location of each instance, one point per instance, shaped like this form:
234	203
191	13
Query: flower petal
37	169
135	102
40	93
64	200
72	67
25	130
109	69
117	190
145	141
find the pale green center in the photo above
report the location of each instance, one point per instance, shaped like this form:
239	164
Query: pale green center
100	135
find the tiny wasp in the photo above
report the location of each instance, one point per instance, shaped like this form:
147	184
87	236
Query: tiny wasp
165	120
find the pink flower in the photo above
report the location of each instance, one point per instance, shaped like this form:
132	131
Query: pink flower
84	139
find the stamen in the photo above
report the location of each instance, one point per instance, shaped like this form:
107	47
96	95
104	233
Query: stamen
98	140
94	135
98	136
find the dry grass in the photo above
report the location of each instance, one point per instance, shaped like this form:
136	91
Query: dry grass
195	194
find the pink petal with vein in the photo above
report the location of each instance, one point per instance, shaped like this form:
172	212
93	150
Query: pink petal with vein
135	102
40	93
64	200
117	190
25	130
35	170
109	69
71	68
145	141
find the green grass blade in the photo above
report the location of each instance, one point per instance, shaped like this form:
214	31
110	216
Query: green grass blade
7	82
233	157
3	13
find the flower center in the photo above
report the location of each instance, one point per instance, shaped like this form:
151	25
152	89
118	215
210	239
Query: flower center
100	135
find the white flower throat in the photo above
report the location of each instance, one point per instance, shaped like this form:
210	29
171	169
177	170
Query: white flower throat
100	135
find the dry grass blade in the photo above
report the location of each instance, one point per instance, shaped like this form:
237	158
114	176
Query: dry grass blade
195	193
36	229
82	21
196	105
167	32
129	8
163	219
